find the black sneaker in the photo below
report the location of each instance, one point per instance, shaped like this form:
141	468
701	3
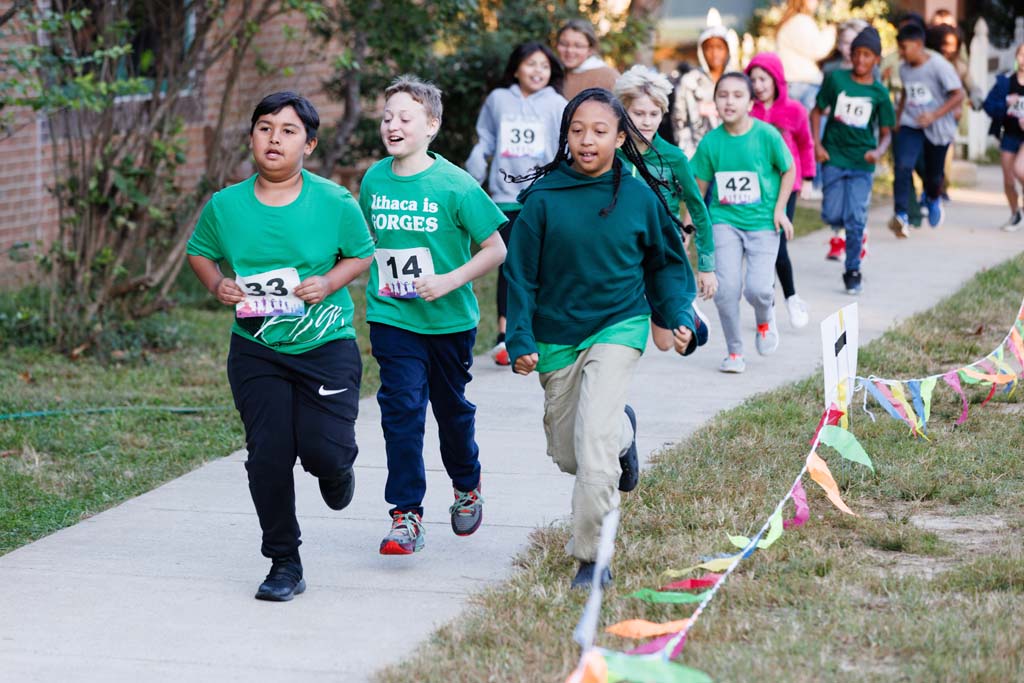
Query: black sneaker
585	576
284	581
630	461
337	491
851	279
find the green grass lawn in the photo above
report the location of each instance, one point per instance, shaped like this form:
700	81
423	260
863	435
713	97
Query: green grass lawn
55	471
926	585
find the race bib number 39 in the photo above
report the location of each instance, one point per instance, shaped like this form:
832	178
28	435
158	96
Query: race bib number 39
737	187
918	94
521	137
853	111
397	268
270	294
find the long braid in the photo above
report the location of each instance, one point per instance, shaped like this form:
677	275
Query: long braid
616	182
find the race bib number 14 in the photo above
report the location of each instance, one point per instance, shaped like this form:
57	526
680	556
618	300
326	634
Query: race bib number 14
270	294
737	187
397	268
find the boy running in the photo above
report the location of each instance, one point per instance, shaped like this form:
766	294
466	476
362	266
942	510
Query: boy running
425	212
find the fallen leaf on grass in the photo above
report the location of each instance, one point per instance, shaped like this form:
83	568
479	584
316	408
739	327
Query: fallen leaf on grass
27	377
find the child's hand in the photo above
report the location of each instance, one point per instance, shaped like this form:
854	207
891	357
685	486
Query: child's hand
313	289
433	287
1011	99
524	365
926	119
872	156
228	292
707	285
782	223
681	338
820	153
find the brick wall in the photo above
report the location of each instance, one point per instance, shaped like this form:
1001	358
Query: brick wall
28	213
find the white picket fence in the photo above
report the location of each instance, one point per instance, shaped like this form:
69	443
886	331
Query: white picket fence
985	62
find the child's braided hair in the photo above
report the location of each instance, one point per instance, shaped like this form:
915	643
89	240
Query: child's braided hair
629	149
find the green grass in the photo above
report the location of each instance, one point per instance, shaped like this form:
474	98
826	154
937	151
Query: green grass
926	585
55	471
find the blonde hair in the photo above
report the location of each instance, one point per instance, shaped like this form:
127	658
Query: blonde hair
424	92
641	81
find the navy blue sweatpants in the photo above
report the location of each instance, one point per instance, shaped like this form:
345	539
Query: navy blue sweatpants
414	369
293	406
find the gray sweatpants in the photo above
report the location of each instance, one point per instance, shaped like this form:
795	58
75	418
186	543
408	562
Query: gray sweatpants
761	247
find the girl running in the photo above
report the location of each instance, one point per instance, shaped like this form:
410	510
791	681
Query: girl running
592	247
753	174
790	118
1005	104
517	130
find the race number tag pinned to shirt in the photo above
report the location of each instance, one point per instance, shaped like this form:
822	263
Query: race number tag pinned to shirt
918	94
737	187
853	111
397	268
521	137
270	294
1016	110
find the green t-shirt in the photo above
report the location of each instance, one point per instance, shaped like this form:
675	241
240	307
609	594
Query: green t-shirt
423	224
631	332
311	234
746	171
856	110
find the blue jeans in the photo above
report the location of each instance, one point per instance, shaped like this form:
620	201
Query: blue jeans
909	145
847	194
416	369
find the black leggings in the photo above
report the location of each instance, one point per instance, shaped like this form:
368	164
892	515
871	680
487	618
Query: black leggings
783	266
506	233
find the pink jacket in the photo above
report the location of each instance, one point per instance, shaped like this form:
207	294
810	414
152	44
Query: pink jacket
788	116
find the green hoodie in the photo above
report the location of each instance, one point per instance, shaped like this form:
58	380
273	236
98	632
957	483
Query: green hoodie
665	161
572	272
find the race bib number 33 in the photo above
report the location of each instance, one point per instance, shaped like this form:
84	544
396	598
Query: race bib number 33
397	268
853	111
270	294
737	188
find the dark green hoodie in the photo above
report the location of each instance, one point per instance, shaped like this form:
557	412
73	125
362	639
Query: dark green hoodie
572	272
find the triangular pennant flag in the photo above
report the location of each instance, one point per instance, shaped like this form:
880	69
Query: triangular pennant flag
998	359
803	511
659	644
927	389
914	386
774	531
592	669
1017	346
872	389
972	376
901	397
641	628
823	477
991	393
716	565
706	581
832	416
668	597
846	444
953	380
883	389
650	669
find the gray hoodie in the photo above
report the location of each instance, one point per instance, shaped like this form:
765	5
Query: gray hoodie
514	134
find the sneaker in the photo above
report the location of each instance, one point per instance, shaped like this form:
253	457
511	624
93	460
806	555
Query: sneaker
797	309
467	511
851	279
585	576
1015	222
284	581
700	326
898	225
811	193
337	491
767	338
500	354
733	363
406	535
630	460
836	248
936	212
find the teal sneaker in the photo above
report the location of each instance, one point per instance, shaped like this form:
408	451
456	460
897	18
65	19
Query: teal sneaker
467	511
406	535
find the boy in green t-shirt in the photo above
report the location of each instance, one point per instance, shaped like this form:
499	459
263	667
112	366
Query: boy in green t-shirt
856	103
425	214
294	241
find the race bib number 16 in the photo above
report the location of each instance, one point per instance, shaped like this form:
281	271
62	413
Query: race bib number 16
853	111
397	268
918	94
737	187
270	294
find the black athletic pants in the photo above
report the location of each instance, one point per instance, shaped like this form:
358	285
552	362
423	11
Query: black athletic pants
783	266
293	406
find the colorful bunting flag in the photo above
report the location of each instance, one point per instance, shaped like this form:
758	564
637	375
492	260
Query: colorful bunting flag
667	597
774	531
592	669
706	581
846	444
650	669
914	386
659	644
952	378
820	473
716	565
803	511
641	628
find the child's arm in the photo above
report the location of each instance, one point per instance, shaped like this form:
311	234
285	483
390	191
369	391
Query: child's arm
785	188
820	153
884	138
491	255
899	106
805	147
224	288
486	135
669	282
954	98
316	288
522	272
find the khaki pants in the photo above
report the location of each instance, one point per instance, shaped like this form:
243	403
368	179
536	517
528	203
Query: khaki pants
587	430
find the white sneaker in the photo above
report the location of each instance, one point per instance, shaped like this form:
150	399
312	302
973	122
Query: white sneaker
797	311
1015	223
767	338
733	363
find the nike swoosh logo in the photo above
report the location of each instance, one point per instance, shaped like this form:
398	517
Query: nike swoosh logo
329	392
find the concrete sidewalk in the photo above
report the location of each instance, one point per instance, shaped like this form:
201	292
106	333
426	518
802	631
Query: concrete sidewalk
160	588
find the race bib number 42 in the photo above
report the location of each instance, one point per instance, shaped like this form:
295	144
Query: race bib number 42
270	294
737	187
853	111
397	268
521	137
918	94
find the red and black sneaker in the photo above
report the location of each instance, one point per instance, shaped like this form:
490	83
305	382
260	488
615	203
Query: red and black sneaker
836	248
406	535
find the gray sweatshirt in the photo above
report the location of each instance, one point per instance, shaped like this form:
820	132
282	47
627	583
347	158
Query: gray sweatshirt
514	134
